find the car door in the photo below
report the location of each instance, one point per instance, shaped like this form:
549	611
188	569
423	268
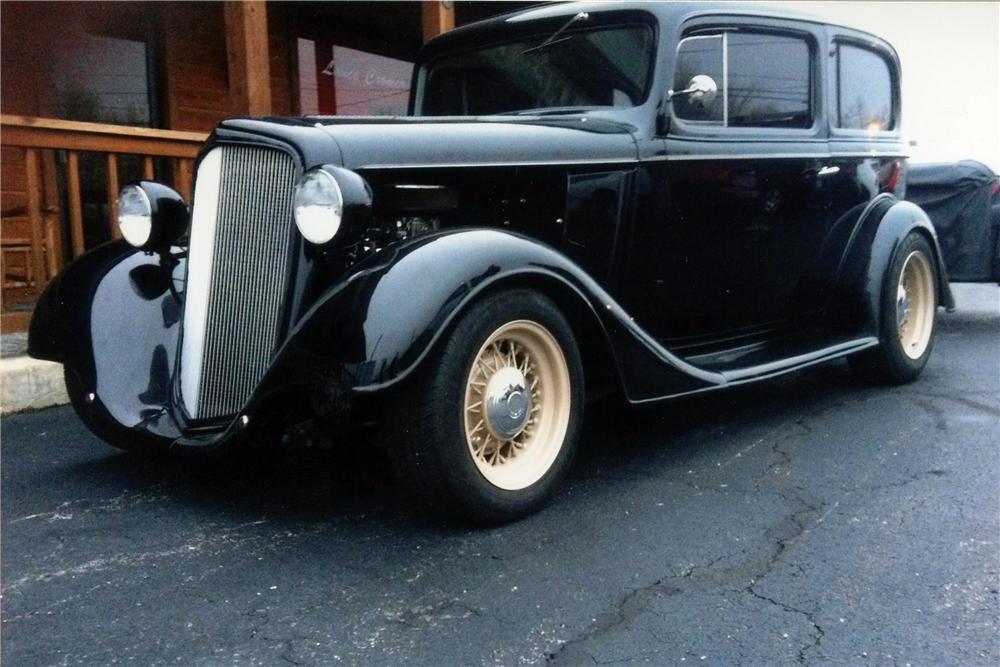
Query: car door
738	215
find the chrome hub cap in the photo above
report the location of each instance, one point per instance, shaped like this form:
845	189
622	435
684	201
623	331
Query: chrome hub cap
915	305
517	405
507	403
902	306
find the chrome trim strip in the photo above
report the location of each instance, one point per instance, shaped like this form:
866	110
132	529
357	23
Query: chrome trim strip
623	161
200	255
725	79
513	163
779	368
773	156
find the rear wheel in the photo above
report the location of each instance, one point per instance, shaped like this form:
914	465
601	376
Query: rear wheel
907	317
488	428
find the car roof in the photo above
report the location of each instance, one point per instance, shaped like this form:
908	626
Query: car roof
668	13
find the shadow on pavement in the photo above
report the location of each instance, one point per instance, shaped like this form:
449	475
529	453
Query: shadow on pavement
309	486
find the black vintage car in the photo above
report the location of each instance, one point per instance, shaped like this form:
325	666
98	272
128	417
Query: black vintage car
656	200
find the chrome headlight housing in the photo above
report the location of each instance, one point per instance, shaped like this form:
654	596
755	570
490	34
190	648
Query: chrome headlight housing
151	215
319	206
135	215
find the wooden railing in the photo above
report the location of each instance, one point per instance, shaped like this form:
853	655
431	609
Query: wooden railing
38	206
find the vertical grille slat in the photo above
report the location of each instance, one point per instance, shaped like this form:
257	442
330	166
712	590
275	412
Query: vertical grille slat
247	276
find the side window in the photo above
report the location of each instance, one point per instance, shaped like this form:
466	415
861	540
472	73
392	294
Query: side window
864	89
768	81
763	79
699	55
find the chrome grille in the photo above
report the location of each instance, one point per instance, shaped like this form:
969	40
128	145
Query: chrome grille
237	275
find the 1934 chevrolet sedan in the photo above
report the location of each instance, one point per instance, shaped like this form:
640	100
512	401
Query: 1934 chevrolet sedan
653	199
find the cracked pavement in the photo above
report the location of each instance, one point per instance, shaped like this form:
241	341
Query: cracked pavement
808	520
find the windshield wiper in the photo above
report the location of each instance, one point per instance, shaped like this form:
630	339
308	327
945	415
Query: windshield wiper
546	111
582	16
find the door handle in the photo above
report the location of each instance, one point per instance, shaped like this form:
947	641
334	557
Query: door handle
827	171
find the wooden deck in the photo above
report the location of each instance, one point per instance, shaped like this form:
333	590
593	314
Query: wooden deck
42	199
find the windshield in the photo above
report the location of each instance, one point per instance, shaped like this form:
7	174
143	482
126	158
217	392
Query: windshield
606	67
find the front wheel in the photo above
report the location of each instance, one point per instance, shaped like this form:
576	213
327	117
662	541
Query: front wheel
488	428
907	316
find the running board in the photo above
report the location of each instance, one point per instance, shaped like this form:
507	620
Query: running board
740	375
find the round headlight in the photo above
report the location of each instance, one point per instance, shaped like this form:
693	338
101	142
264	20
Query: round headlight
135	215
319	206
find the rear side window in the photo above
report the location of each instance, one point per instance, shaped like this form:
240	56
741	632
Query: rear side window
864	89
764	79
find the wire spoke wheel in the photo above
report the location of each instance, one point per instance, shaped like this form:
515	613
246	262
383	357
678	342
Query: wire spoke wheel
915	305
486	430
517	405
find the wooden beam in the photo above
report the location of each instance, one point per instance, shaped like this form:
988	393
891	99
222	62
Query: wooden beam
57	126
438	17
248	57
29	132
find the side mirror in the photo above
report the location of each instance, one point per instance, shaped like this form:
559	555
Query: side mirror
701	91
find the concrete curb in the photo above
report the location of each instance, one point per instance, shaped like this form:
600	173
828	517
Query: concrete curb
30	384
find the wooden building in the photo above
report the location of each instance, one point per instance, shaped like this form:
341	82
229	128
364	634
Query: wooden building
95	94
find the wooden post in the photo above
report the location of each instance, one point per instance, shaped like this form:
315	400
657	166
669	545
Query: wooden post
248	57
438	17
184	177
50	210
113	196
75	204
35	217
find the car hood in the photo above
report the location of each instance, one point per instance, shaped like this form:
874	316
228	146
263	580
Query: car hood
383	142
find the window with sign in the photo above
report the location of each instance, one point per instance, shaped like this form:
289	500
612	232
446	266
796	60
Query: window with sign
337	80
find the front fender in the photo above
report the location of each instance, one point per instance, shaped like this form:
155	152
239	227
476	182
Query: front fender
112	318
383	322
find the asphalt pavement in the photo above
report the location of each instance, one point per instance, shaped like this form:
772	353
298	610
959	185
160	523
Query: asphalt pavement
811	519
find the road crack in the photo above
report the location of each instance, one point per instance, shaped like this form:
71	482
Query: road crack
806	510
634	603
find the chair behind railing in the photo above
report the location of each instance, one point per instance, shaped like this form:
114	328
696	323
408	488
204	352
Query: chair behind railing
43	199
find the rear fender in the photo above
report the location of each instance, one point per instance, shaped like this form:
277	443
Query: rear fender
874	246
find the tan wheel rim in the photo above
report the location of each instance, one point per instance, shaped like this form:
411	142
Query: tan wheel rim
915	304
517	405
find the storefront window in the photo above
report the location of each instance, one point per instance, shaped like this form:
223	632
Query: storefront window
336	80
102	80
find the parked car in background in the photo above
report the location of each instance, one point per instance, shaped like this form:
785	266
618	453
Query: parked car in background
652	199
963	201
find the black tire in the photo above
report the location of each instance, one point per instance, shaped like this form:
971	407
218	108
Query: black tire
111	433
426	424
889	363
